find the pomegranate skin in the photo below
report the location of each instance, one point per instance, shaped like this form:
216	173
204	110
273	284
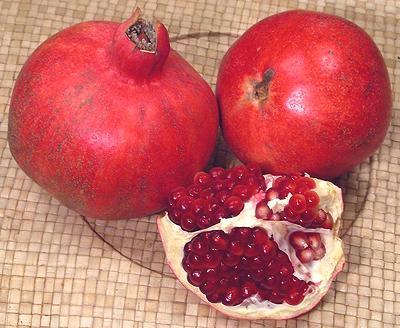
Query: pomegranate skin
302	91
108	129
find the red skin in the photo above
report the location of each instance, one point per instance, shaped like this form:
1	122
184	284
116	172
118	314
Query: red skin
328	104
108	129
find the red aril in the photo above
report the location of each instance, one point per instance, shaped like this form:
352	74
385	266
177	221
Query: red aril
304	91
109	119
252	265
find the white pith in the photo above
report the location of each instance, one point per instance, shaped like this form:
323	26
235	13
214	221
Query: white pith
319	272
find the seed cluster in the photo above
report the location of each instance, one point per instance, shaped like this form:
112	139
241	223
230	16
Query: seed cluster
302	208
308	246
214	195
231	267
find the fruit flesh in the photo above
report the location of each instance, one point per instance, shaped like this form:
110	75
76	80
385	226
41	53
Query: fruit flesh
327	105
107	138
320	272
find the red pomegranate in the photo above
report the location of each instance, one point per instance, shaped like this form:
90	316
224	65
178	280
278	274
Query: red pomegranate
302	91
108	119
253	246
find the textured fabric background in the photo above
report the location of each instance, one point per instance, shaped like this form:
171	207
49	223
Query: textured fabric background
57	270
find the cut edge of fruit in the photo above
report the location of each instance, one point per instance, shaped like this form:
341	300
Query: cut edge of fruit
331	265
174	250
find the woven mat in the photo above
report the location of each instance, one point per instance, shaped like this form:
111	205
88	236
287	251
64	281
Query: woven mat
58	270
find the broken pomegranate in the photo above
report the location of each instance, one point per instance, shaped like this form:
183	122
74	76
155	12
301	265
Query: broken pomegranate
254	246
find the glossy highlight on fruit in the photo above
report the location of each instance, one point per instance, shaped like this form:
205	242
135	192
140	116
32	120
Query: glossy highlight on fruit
266	262
303	91
95	119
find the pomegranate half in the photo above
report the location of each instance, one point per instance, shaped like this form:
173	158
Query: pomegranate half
253	246
309	91
109	119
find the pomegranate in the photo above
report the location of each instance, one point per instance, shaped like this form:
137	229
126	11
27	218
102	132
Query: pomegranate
267	247
309	91
109	119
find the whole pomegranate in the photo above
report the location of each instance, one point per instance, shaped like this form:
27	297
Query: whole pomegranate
253	246
302	91
109	119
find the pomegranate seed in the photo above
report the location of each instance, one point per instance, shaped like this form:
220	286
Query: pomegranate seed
208	287
271	194
278	181
204	221
312	199
328	223
231	260
240	172
319	253
202	179
240	233
248	289
294	297
206	193
286	270
305	255
260	236
288	184
231	296
211	204
212	260
186	266
242	192
301	189
235	280
221	196
188	222
258	262
219	240
219	213
211	275
218	184
314	240
183	203
269	248
263	212
289	215
257	275
283	193
187	248
199	246
196	277
229	184
175	194
193	191
270	282
284	285
234	205
310	215
275	297
198	206
214	297
297	203
236	248
251	250
217	172
194	261
307	182
174	215
299	240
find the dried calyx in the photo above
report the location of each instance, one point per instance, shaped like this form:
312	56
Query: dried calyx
142	33
255	246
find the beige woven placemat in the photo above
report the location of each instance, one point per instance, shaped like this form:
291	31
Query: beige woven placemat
57	270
